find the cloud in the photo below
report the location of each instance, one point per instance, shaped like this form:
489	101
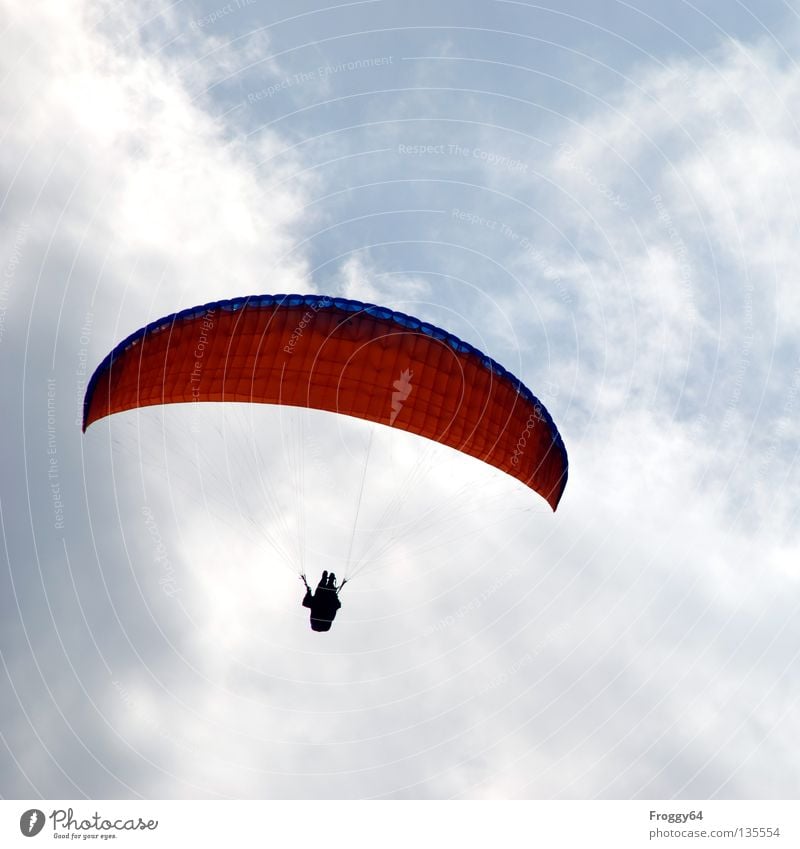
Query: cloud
637	274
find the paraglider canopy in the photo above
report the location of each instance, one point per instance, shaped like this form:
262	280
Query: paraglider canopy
343	356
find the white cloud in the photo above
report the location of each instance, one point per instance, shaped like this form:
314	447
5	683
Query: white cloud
642	641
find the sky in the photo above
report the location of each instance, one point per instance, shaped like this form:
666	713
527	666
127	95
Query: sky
600	195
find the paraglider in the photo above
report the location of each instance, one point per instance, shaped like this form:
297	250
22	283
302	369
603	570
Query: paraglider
324	602
344	357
